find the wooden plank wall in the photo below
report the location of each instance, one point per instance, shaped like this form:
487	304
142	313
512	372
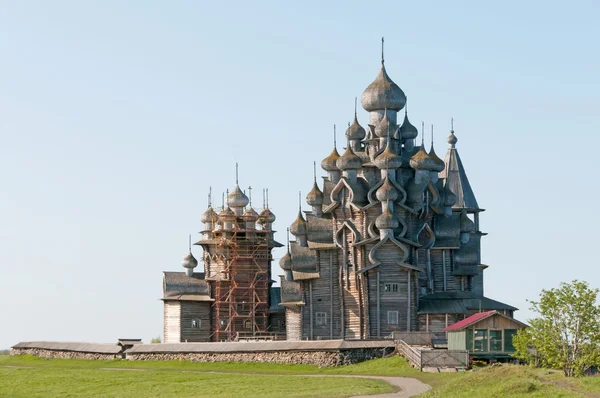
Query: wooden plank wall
191	310
292	323
172	322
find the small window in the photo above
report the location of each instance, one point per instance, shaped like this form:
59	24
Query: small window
392	317
282	324
480	340
241	306
248	324
196	323
321	319
391	288
495	340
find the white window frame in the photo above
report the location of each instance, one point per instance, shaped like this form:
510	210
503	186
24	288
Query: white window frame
390	317
390	288
196	323
320	319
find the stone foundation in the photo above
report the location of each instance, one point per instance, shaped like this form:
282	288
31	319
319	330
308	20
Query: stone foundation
319	358
38	352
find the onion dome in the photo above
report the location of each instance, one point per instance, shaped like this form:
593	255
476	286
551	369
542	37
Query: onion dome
266	217
386	192
298	227
237	198
383	93
386	220
384	127
209	216
388	159
227	214
329	163
250	214
349	160
422	161
439	163
466	224
407	130
355	131
189	261
452	140
286	262
315	196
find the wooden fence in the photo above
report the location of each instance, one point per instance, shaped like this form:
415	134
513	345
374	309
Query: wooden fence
412	355
414	338
444	359
420	359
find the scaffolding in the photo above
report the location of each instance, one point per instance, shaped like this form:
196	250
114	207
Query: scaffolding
241	288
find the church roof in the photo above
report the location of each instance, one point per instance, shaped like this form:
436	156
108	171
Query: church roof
456	179
178	283
458	303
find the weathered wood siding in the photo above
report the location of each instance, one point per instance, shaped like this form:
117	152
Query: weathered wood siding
292	323
457	340
172	318
326	296
194	310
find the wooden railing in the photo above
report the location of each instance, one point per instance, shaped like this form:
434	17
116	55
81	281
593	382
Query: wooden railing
259	336
414	338
412	356
426	358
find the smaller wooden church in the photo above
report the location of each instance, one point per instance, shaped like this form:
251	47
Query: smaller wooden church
486	335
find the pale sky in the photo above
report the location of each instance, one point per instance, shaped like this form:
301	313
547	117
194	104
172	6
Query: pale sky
116	117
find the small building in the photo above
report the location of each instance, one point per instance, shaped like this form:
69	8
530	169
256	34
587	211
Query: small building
486	335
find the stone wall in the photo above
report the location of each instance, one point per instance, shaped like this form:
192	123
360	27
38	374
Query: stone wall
320	358
38	352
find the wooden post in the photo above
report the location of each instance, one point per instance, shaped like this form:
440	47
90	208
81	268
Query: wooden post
427	322
342	315
444	268
408	309
446	325
310	298
331	294
429	273
378	307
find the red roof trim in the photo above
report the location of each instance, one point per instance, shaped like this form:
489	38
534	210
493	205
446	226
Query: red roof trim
469	321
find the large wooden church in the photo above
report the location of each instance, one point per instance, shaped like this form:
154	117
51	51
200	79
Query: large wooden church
392	243
393	240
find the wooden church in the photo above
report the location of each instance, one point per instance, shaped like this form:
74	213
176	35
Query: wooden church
392	242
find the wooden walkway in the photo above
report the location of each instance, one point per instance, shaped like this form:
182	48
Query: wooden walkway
433	360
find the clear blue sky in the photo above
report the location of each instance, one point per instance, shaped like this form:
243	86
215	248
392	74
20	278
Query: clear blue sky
116	117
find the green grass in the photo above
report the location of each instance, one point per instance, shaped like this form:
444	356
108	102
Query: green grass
515	381
183	378
37	377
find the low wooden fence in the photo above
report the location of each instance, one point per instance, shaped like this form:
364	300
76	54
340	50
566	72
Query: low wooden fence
444	359
414	338
419	358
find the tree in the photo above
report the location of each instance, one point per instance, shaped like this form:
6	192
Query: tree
566	335
156	340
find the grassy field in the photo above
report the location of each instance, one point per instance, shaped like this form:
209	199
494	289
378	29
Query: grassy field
42	377
35	377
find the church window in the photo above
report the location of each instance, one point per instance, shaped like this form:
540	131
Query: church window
390	288
320	319
392	317
196	323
